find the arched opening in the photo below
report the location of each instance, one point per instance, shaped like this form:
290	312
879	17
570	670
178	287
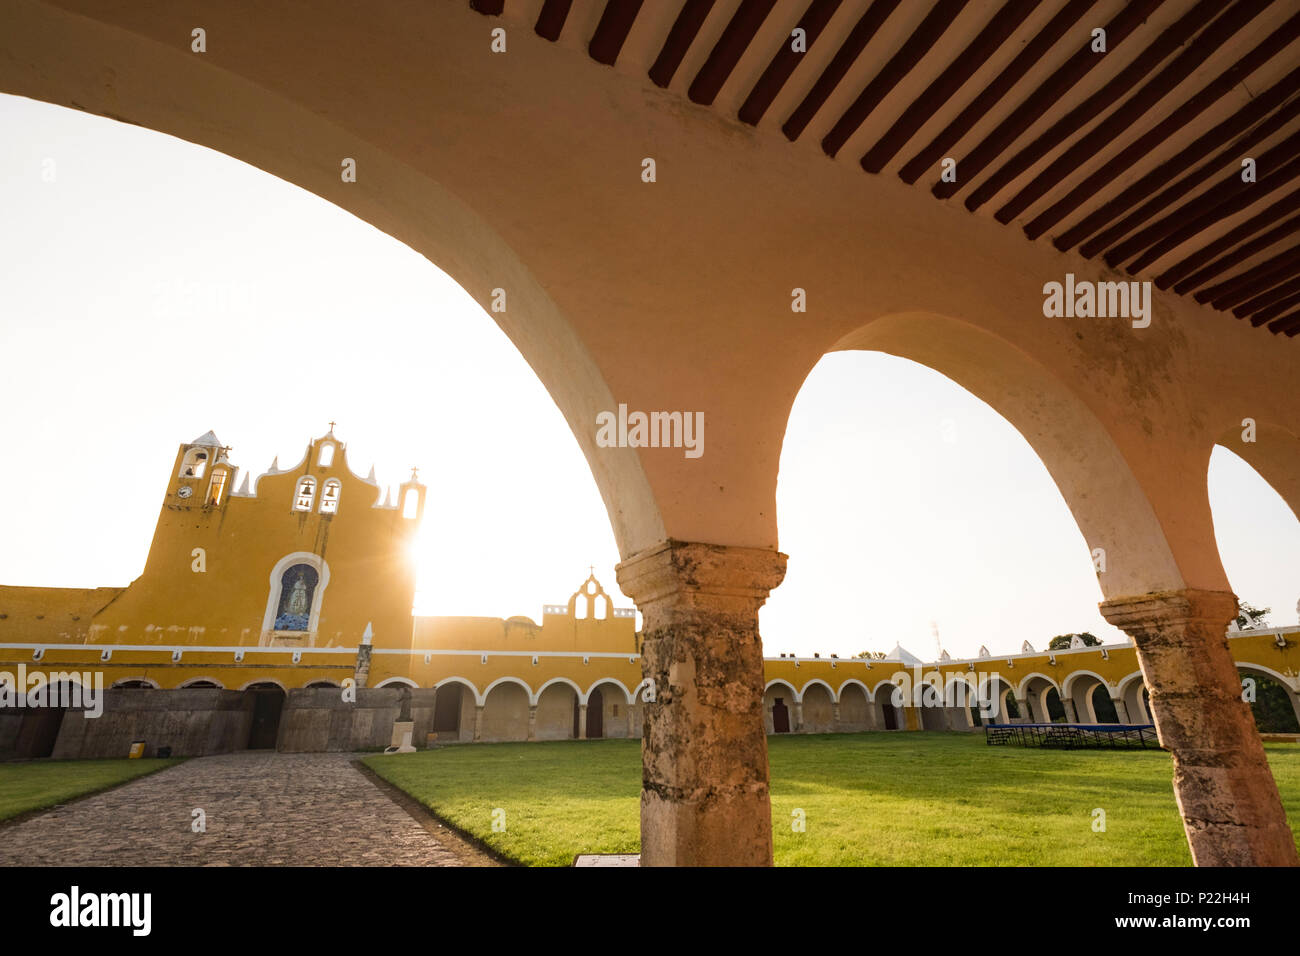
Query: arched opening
453	711
616	718
329	496
778	708
595	715
304	493
557	706
818	709
266	700
1103	707
888	700
1275	706
505	713
930	709
855	709
1043	700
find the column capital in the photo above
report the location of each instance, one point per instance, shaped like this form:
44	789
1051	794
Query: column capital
692	573
1170	608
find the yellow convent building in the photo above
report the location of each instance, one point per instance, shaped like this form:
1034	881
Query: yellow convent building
280	615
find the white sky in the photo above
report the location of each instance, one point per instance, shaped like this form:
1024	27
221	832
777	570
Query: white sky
156	289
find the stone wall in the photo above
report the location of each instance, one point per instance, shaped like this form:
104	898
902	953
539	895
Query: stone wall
319	719
192	721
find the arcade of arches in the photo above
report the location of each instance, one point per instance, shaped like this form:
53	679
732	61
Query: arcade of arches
684	303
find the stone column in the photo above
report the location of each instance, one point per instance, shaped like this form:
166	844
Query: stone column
1026	713
631	723
704	796
1071	714
1121	709
582	721
532	721
835	716
1226	794
796	714
478	722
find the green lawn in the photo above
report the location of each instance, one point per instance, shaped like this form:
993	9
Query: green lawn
868	799
36	785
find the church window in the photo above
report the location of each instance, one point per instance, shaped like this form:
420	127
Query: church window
329	496
217	487
411	503
326	455
297	590
305	494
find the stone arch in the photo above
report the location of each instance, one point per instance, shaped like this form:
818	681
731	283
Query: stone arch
504	713
1079	688
204	682
557	702
1110	506
456	230
856	712
888	703
453	709
136	683
814	682
1036	688
1274	455
568	682
397	682
817	707
1130	691
265	682
991	695
610	711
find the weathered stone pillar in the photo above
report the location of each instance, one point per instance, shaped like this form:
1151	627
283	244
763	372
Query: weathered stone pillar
704	791
1026	712
1071	714
532	721
835	716
796	714
478	722
582	721
1226	793
1121	709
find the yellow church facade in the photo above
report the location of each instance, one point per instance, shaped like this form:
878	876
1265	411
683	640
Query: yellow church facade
279	615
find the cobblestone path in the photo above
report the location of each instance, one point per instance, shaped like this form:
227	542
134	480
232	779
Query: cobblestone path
262	809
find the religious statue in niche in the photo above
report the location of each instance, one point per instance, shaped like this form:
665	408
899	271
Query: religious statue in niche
297	588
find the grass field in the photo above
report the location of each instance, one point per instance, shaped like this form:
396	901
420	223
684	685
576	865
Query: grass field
36	785
868	799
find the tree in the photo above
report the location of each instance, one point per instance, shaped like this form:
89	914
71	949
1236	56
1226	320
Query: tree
1062	641
1251	618
871	655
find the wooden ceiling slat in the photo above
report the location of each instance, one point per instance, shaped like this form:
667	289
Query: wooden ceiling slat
772	81
935	24
1265	299
1229	207
1230	156
612	30
1243	119
489	8
1267	274
550	22
1290	324
853	45
1282	304
991	94
1115	125
680	37
1047	95
1188	212
1196	279
1165	45
942	90
726	53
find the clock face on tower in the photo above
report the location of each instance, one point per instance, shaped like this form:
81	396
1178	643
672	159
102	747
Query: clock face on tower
184	491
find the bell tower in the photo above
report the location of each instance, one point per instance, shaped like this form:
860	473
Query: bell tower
202	474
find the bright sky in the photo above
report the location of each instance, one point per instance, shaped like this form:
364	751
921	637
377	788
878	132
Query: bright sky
151	290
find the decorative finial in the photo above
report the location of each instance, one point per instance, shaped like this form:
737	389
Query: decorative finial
414	472
592	569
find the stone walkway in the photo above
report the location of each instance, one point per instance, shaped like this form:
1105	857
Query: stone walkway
263	809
